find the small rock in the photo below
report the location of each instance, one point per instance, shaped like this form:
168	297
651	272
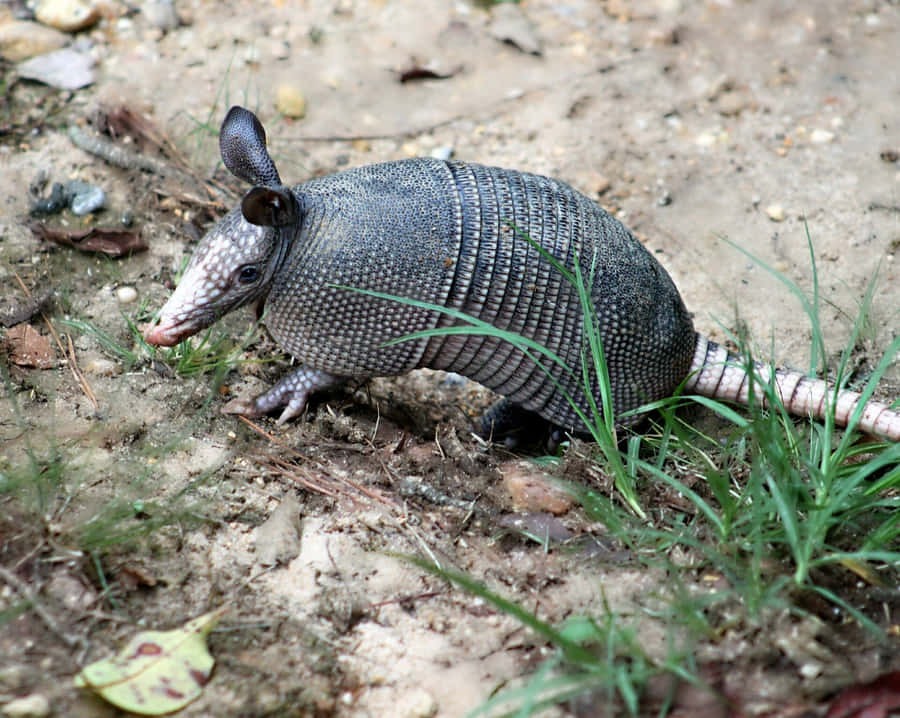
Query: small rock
52	204
599	184
126	294
290	102
70	592
160	14
13	677
539	524
889	155
20	39
706	139
87	199
67	15
444	152
65	69
533	490
731	103
509	24
101	366
662	36
421	704
278	537
820	137
31	706
775	212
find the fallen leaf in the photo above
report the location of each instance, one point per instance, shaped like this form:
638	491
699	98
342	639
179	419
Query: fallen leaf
111	242
28	348
158	671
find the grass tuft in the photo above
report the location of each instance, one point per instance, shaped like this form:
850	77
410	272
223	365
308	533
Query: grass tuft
771	507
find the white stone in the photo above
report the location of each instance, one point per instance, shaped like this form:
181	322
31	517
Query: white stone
820	137
67	15
20	40
775	212
32	706
126	294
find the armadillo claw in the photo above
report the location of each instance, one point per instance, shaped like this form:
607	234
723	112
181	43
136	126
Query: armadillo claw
291	392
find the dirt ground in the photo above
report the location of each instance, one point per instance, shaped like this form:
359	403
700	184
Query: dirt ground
693	121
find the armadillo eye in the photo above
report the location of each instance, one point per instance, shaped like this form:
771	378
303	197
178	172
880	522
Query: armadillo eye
248	274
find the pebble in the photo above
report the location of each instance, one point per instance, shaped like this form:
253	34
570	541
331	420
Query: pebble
20	40
534	490
101	366
662	36
290	102
65	69
31	706
278	537
13	677
87	200
599	184
70	593
67	15
509	24
52	204
444	152
706	139
731	103
775	212
126	294
820	137
421	705
161	14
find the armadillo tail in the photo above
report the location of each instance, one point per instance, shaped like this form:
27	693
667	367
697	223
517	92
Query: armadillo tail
720	374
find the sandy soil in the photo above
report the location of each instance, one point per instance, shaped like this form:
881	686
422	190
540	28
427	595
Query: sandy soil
688	120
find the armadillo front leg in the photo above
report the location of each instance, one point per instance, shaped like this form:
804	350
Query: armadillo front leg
291	392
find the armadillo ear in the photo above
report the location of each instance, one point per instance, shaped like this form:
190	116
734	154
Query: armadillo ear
269	207
242	141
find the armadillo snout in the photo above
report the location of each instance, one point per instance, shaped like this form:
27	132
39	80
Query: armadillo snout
165	335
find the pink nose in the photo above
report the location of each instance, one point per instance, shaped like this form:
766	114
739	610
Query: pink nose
161	336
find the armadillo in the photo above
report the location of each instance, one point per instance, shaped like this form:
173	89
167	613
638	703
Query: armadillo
452	235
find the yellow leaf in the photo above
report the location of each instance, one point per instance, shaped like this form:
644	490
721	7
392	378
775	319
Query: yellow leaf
158	671
864	571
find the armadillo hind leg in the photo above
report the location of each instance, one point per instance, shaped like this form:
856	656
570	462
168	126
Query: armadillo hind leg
291	392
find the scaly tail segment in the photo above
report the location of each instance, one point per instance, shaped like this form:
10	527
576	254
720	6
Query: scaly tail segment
719	374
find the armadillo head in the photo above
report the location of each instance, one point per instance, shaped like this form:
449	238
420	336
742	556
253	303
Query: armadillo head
236	261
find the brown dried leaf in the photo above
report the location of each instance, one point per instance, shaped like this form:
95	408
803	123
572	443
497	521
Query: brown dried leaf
119	120
28	348
111	242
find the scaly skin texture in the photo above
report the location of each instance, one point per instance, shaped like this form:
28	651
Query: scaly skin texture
452	234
